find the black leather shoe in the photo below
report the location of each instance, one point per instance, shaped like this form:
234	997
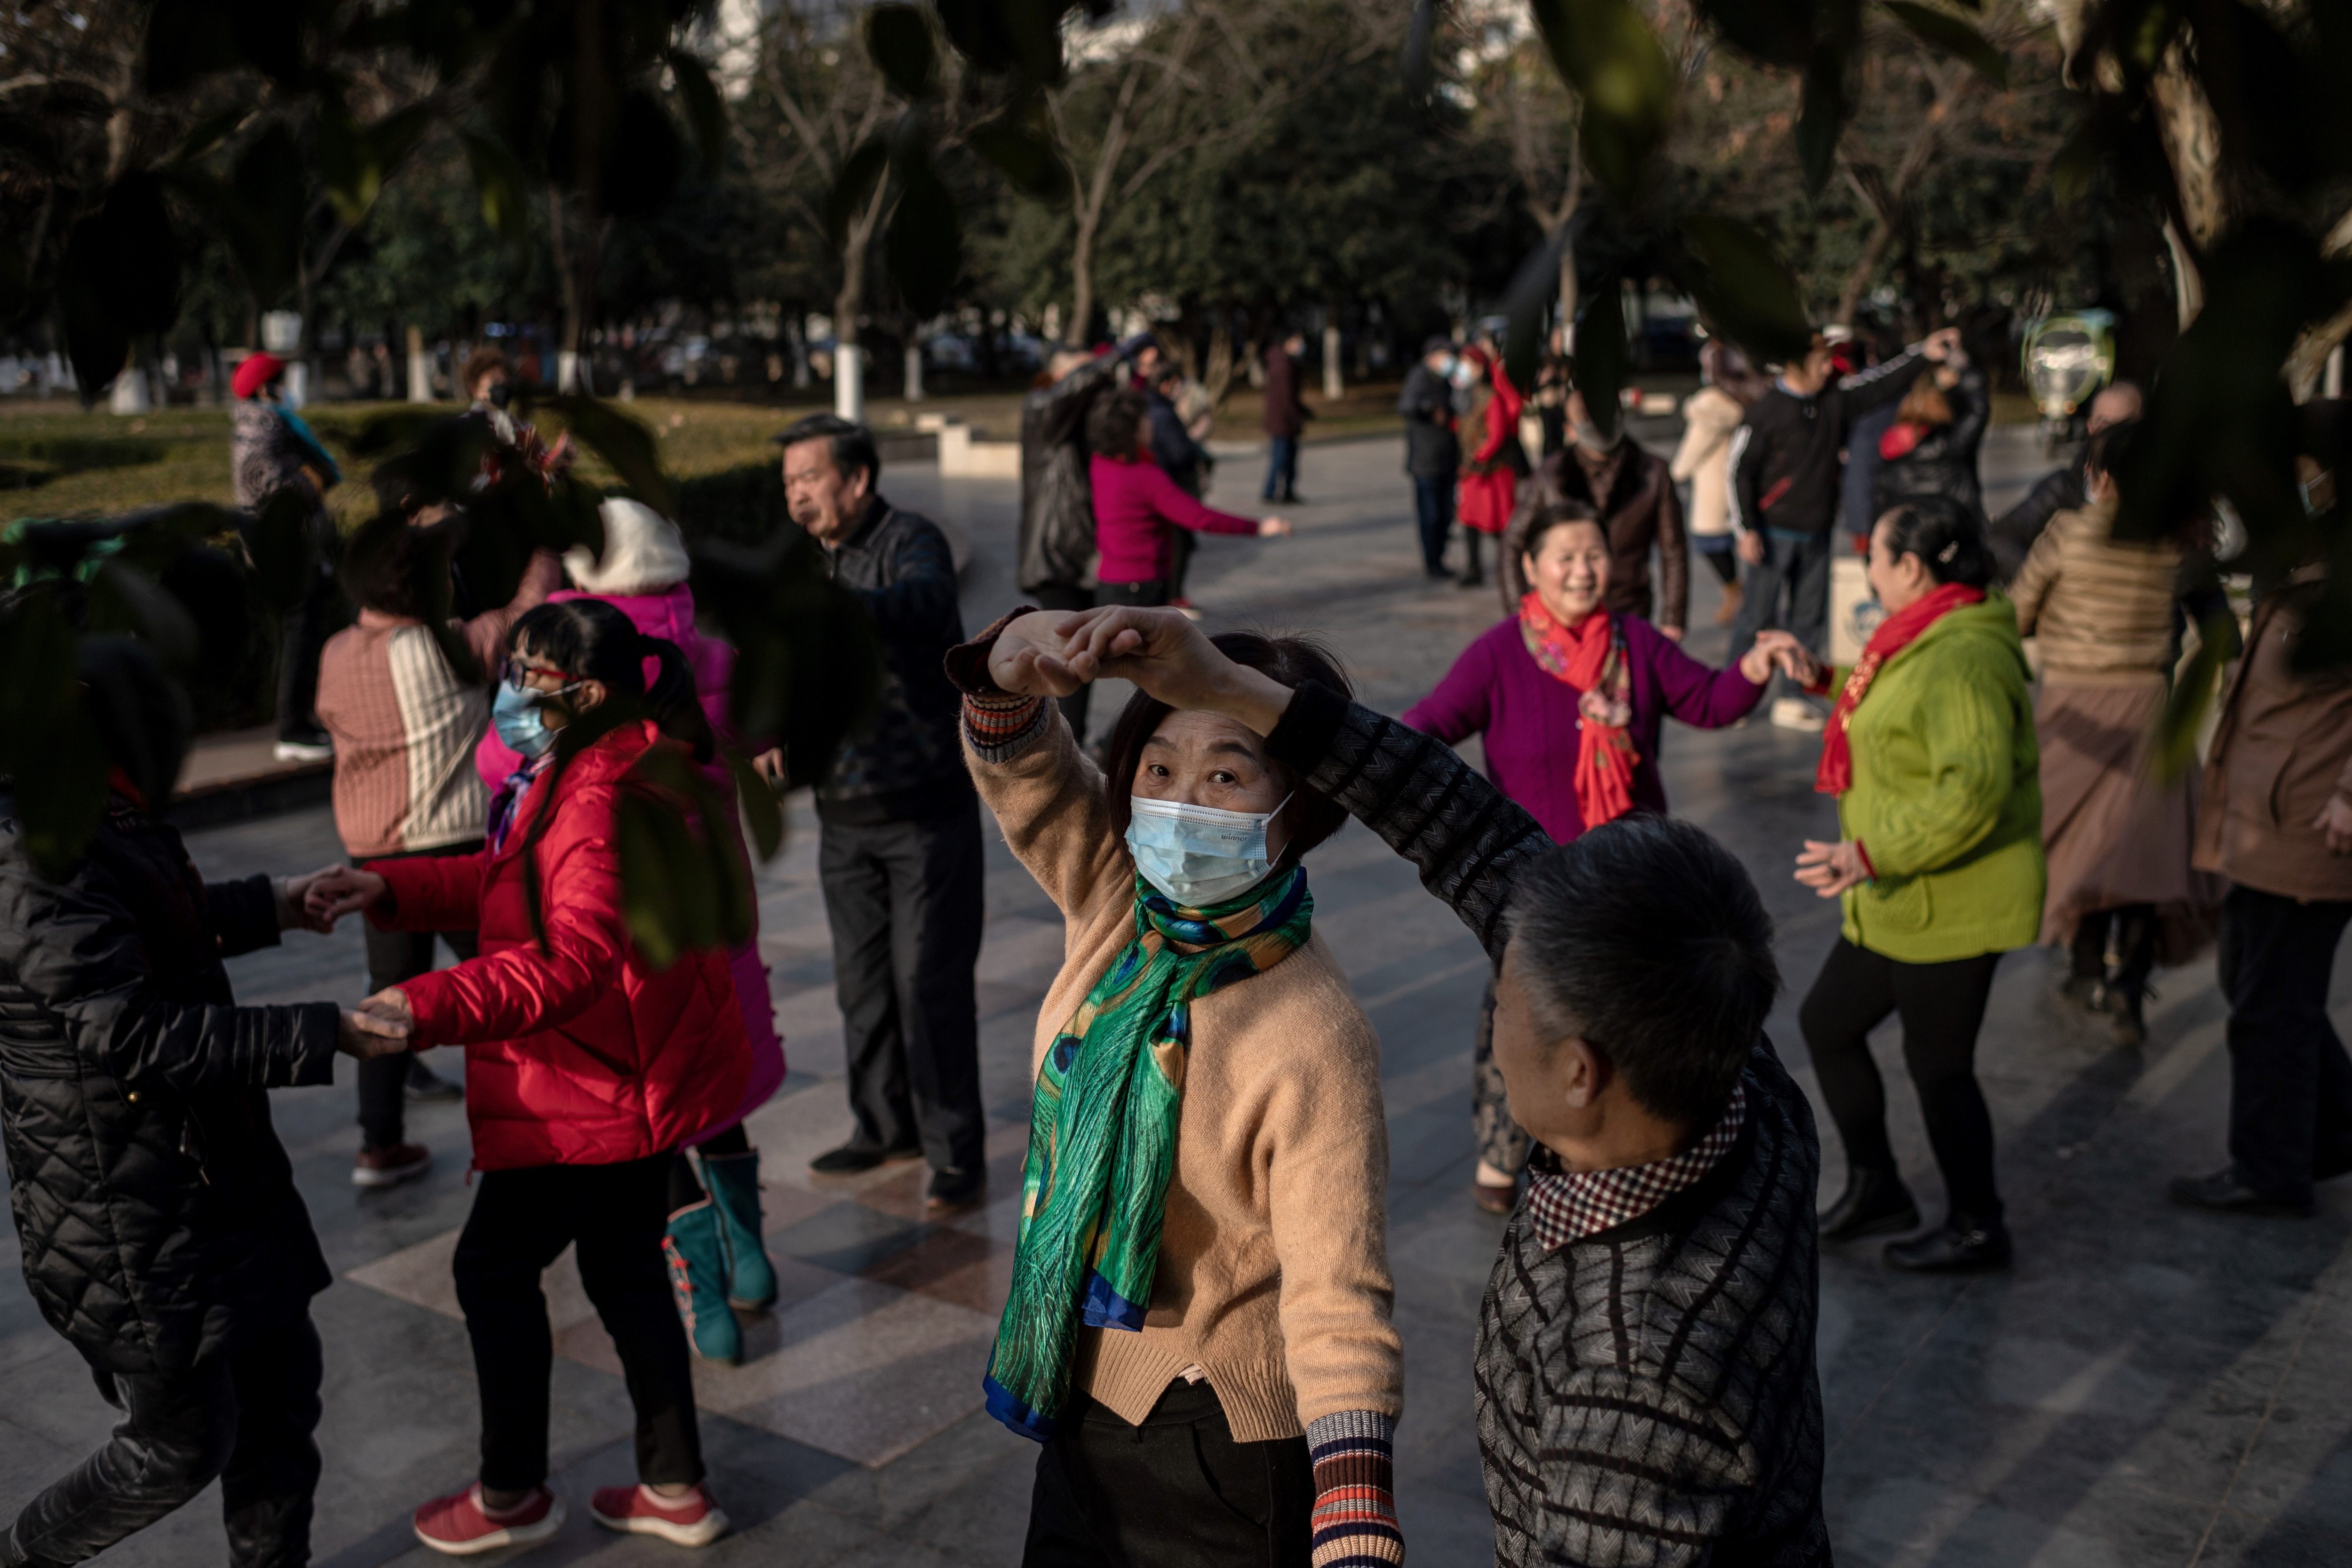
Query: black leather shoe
1875	1202
954	1191
2223	1193
1961	1246
852	1158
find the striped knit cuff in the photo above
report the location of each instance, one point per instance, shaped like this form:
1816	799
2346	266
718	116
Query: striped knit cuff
1354	1486
1001	727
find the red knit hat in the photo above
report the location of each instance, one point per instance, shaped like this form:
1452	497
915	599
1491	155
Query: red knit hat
254	372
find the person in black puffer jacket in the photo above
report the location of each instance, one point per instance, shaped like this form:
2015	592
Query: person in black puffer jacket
1930	450
161	1232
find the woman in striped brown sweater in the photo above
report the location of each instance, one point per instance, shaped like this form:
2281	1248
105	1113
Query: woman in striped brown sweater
2115	836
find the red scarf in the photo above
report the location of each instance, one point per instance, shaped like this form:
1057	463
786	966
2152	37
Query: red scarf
1591	657
1895	632
1897	440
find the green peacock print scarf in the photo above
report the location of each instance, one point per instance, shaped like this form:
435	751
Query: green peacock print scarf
1102	1134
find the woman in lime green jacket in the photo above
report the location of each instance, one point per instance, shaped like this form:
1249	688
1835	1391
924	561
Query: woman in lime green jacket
1931	754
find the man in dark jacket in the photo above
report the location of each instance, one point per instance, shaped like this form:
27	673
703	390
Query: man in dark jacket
1431	452
898	846
1182	458
1286	420
161	1232
1630	490
2061	489
1785	486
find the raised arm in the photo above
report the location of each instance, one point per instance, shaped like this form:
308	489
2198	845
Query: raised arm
1173	505
486	633
1882	383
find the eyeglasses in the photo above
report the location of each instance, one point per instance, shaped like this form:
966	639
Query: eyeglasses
516	673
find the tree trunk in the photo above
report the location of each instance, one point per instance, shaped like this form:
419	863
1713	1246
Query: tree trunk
1217	376
1082	280
1334	387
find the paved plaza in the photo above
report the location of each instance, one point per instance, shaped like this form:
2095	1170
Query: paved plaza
2145	1386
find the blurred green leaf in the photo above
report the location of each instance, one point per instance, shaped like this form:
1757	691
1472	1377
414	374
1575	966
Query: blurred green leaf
273	197
1533	289
1821	116
1421	33
124	598
1949	34
625	444
643	158
95	345
762	813
808	667
1026	157
1774	32
346	161
499	182
48	747
706	112
210	132
926	245
899	41
1744	289
977	31
2194	689
853	187
1607	50
284	556
1604	364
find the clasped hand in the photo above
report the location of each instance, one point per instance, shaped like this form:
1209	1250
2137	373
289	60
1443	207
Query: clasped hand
1781	651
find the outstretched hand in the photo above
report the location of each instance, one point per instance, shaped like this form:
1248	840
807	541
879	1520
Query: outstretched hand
376	1028
337	891
1779	650
293	895
1830	869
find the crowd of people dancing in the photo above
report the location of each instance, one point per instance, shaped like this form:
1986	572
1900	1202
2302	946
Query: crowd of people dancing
1199	1331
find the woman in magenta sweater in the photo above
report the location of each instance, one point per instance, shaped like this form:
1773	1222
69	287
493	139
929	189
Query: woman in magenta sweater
1570	699
1136	503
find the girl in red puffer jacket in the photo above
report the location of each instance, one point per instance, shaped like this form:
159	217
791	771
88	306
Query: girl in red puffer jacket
587	1069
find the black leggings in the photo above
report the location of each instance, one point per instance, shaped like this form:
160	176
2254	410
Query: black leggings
685	1186
1942	1005
1725	562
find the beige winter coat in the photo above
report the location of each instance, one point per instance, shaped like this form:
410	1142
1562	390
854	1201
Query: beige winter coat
1704	459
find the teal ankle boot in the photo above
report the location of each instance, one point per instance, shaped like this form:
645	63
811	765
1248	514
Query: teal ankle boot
733	1183
696	1247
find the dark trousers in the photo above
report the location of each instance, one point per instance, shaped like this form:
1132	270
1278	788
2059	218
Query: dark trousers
394	956
2290	1081
1432	505
1796	568
1281	467
1942	1007
246	1419
1502	1142
1175	1492
905	900
1181	542
615	1215
1724	562
1056	596
2133	927
302	637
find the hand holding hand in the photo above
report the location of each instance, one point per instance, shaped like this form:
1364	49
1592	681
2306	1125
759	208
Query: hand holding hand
374	1028
1031	655
1751	548
1273	526
1942	345
769	765
1671	634
293	902
337	891
2335	820
1830	869
1779	650
1174	660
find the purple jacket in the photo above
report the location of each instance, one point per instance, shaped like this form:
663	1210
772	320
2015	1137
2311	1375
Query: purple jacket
1529	720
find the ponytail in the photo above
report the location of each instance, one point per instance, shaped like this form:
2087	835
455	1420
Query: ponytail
672	703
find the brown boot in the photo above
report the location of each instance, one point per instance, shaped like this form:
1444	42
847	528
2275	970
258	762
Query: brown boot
1729	611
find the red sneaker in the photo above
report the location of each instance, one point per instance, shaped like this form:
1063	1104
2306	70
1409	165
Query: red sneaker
690	1520
459	1525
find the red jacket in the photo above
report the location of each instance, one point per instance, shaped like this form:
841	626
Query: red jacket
1135	504
583	1053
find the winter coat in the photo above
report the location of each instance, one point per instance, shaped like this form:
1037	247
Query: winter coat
1431	450
2014	531
907	764
1785	473
1944	463
669	614
582	1053
1286	414
155	1207
1135	506
1641	510
1058	519
1947	796
267	453
1703	461
1184	459
1487	493
2282	751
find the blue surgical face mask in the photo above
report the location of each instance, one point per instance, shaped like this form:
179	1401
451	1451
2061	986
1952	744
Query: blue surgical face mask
514	713
1197	855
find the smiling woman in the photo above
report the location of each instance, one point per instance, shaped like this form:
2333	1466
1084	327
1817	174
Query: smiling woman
1198	1326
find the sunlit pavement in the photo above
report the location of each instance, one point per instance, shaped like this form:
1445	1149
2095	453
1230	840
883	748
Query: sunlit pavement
2145	1386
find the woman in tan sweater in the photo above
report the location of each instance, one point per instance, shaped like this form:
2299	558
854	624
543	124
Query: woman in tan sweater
2115	836
1199	1325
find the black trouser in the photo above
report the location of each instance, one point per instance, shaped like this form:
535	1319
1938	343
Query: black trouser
1796	565
1942	1007
2290	1081
1056	597
685	1186
1181	542
2134	927
616	1216
394	956
1175	1492
1432	505
304	635
1281	467
1725	562
1134	595
246	1419
905	900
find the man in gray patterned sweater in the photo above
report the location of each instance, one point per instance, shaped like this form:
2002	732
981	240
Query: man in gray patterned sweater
1646	1392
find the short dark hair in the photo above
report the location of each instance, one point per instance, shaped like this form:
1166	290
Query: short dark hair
2106	449
1947	538
1290	659
1554	514
851	444
479	363
1436	343
1114	424
380	567
1646	938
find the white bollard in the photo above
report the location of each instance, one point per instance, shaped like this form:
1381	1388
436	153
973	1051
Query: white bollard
1331	387
420	369
914	373
130	394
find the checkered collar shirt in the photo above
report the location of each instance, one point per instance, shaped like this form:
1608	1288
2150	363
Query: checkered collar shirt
1569	1205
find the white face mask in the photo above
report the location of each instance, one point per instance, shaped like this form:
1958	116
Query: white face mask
1198	855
